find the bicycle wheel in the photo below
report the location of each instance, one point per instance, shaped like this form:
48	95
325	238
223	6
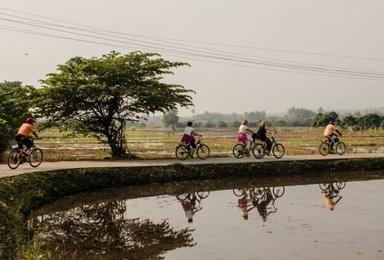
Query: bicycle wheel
324	148
182	152
341	185
258	151
13	159
239	192
203	151
341	148
183	196
203	194
324	186
238	151
278	150
36	157
278	191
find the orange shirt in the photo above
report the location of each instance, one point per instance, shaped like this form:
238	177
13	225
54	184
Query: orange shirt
330	129
26	129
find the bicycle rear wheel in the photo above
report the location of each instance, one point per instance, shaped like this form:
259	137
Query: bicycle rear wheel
13	159
258	151
36	157
324	148
341	148
203	151
238	151
182	152
278	150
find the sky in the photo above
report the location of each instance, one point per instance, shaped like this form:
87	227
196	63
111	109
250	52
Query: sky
244	55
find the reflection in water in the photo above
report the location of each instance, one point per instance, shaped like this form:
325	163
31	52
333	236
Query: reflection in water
331	193
188	202
148	222
101	230
259	198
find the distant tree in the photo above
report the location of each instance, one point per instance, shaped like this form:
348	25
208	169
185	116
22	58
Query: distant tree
299	116
349	121
221	124
171	118
369	121
98	96
324	119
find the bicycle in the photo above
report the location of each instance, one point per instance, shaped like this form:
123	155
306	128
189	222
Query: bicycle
325	146
18	156
277	149
240	150
184	150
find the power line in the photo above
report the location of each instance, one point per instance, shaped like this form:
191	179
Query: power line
93	35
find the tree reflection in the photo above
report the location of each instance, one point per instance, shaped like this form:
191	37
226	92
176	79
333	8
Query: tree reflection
331	193
260	198
100	231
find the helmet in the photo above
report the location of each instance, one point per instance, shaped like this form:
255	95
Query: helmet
30	120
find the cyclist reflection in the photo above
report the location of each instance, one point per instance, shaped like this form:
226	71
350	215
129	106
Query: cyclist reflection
331	193
263	199
191	203
262	204
243	204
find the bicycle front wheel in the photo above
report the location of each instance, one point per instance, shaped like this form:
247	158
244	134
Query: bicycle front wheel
324	148
278	151
13	159
203	194
182	152
258	151
341	148
203	151
238	151
36	157
278	191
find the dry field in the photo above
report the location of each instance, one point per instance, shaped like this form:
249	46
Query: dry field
160	143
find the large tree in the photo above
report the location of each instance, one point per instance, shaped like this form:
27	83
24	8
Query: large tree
98	96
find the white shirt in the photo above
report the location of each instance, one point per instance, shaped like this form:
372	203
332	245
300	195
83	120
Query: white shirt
188	130
243	129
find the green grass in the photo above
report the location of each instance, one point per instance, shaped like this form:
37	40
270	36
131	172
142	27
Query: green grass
160	143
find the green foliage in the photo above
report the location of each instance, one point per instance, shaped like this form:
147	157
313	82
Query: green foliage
98	96
323	119
14	108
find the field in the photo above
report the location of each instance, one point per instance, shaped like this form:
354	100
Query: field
160	143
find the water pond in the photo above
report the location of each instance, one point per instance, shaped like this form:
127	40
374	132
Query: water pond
227	219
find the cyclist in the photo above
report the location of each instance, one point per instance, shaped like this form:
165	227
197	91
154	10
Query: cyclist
25	130
188	136
243	131
330	132
262	135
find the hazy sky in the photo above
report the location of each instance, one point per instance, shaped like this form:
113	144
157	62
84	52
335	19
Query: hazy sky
245	55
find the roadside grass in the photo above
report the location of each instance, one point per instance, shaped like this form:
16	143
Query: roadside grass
160	143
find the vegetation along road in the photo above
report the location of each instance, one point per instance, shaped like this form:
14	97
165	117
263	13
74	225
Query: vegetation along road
49	166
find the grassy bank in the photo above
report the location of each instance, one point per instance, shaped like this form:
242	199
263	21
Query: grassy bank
21	194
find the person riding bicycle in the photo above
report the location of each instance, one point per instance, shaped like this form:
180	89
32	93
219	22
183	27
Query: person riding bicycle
188	136
330	133
25	130
243	131
262	135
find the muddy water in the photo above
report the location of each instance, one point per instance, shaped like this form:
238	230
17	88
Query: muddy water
340	220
